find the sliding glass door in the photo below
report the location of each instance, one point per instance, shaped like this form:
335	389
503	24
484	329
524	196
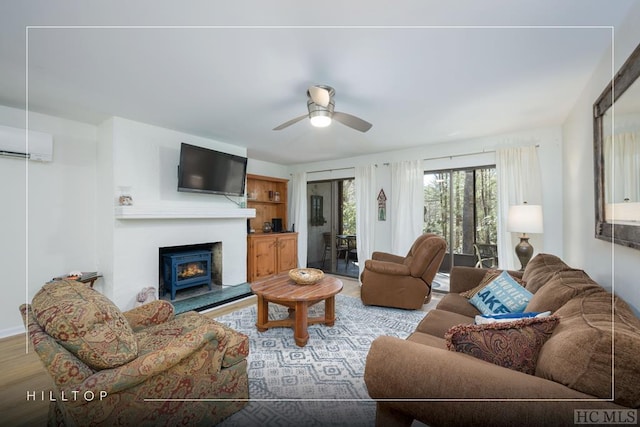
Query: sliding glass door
461	206
332	227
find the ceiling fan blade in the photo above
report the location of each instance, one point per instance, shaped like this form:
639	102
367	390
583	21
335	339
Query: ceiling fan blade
319	95
352	121
290	122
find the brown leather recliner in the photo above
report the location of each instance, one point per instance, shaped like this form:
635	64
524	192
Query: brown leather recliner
403	282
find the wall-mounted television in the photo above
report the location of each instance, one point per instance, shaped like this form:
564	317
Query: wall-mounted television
202	170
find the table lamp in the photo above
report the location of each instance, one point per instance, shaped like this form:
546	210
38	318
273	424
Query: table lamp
524	219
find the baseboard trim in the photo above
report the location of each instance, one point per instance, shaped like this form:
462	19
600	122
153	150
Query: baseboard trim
10	332
230	303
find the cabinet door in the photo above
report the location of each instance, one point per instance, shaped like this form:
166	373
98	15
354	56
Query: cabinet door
287	252
263	258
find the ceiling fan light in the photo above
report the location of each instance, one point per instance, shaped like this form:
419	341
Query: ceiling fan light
320	119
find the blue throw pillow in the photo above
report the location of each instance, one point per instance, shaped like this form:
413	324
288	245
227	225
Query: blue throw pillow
501	295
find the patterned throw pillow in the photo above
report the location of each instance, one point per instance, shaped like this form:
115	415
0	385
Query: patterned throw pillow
491	274
86	323
514	345
501	295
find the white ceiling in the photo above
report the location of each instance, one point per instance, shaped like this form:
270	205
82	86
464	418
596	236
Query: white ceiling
422	72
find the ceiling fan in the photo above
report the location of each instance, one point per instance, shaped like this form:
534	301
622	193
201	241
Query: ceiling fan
320	104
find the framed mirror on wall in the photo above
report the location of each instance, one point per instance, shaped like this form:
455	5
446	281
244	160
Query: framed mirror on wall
617	156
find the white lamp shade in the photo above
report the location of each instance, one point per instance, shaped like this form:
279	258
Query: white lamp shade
525	219
627	212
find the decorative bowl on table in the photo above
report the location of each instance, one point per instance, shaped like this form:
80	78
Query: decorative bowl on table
305	276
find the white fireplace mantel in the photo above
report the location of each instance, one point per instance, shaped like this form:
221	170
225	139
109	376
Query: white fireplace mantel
181	212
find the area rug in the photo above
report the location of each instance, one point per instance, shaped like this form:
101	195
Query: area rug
322	383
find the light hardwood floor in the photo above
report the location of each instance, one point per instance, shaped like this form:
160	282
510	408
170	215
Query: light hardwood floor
23	372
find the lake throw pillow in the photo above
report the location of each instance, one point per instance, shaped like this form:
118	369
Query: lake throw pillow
502	295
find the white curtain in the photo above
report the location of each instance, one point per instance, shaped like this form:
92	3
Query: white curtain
298	214
622	160
518	171
407	204
366	211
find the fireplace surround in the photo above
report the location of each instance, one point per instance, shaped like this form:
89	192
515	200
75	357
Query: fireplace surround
132	261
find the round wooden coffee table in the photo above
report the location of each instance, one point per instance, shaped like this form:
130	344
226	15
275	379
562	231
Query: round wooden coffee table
282	290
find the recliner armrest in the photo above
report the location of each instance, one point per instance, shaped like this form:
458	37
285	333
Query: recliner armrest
384	256
385	267
152	313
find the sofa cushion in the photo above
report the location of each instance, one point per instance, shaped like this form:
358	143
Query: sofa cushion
234	346
578	354
86	323
427	339
540	270
563	286
457	304
160	337
489	277
514	345
502	295
438	322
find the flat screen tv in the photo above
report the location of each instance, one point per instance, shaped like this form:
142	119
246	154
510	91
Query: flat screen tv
202	170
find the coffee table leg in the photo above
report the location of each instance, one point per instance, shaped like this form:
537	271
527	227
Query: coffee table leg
263	314
300	332
330	311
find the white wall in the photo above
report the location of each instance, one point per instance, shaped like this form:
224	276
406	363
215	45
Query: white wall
611	265
476	152
258	167
69	217
145	158
51	203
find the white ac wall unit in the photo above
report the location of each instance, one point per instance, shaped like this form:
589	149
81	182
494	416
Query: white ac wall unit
13	143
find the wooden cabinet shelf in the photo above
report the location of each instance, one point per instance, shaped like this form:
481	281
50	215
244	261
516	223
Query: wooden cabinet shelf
259	189
269	253
269	202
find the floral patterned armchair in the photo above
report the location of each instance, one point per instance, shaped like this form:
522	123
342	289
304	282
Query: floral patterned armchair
142	367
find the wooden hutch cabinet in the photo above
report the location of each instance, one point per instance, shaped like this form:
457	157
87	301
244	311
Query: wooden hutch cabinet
273	252
270	253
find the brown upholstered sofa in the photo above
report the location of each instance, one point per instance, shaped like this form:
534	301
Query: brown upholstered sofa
575	370
403	282
143	367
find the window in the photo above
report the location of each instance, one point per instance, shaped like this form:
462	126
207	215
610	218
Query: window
461	206
347	203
